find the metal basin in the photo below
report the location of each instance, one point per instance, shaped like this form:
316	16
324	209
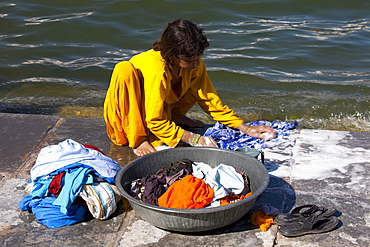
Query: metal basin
193	220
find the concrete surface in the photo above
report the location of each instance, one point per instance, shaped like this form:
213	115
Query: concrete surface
327	168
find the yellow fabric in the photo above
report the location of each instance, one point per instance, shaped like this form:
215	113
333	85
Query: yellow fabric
262	220
123	107
147	112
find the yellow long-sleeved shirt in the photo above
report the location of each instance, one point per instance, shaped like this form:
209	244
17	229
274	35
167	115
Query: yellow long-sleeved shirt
161	100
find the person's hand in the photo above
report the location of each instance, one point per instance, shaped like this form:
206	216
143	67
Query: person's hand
259	131
198	140
207	141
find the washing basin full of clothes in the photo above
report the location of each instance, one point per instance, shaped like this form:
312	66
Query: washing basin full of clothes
193	220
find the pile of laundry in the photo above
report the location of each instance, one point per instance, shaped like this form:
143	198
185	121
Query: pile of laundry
231	138
191	185
71	182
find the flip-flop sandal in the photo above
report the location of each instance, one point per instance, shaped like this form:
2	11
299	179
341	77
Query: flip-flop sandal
298	213
310	225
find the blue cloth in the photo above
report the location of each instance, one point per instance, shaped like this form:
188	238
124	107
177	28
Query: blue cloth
74	179
230	138
81	165
56	212
40	188
49	215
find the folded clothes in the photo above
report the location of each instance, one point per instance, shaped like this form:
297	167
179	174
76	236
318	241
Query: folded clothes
231	138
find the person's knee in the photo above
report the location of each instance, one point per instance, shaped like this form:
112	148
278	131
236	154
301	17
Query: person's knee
126	72
125	66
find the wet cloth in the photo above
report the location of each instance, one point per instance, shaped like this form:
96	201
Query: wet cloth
223	179
154	187
149	188
175	167
177	170
56	157
230	138
187	193
233	198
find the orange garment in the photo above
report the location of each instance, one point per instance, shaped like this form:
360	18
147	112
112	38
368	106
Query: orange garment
233	198
140	101
262	220
187	193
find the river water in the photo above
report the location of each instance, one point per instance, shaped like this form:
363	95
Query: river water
269	59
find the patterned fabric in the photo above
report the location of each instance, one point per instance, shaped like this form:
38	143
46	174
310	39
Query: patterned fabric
230	138
101	199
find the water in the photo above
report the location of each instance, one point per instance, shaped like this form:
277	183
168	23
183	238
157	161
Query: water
286	60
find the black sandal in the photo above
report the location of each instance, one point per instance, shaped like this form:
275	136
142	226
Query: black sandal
298	213
310	225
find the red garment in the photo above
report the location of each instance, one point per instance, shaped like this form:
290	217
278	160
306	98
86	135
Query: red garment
92	147
56	184
187	193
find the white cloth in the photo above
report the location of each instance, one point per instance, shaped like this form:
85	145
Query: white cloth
54	157
223	179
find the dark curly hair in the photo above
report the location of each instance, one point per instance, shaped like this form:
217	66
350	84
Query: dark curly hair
183	39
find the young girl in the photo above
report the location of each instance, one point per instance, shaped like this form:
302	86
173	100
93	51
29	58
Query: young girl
149	96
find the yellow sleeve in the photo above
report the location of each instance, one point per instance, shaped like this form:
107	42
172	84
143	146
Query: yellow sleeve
157	111
209	100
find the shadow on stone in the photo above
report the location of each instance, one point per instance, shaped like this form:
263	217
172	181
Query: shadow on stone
279	194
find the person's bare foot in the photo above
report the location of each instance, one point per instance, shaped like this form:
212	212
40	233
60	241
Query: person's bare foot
184	120
144	148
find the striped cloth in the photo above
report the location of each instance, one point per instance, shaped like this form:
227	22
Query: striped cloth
101	199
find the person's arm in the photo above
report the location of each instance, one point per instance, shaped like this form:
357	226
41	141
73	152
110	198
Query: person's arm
208	99
198	140
157	115
211	103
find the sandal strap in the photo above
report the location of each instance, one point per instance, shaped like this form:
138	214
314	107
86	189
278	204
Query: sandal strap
311	209
309	222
